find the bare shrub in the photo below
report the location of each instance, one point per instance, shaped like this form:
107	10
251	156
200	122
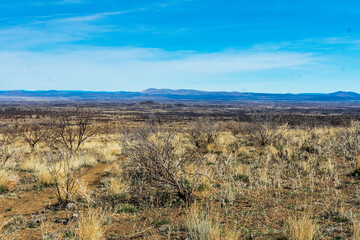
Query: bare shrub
32	133
265	128
65	172
156	161
242	128
7	137
303	146
202	132
72	129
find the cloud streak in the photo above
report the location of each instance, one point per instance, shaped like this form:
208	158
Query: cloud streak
133	68
61	28
57	30
70	2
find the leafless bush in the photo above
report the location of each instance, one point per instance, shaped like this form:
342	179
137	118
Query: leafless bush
7	137
265	127
243	128
66	170
202	132
72	129
162	165
33	133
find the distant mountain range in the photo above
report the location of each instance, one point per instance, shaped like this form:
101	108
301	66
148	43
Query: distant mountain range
169	95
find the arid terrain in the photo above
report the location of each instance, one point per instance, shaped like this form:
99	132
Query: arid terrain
148	170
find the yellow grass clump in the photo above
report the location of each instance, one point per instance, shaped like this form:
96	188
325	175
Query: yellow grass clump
90	225
6	178
83	191
116	187
31	164
328	166
303	228
202	226
242	169
110	152
355	228
44	177
357	163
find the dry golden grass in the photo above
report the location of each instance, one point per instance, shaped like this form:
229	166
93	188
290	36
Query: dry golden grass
199	225
243	151
264	175
202	226
328	166
357	162
355	228
256	188
305	166
83	191
90	225
303	228
110	152
44	177
5	178
90	160
116	186
31	164
79	160
242	169
7	234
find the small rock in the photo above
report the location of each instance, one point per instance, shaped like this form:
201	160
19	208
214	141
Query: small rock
64	221
70	206
164	229
74	216
35	222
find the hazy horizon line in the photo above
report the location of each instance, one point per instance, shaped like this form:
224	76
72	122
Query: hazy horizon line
180	89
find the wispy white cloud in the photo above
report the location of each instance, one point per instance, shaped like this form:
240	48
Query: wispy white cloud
133	68
310	44
49	32
93	17
38	31
57	29
70	1
341	40
96	16
48	2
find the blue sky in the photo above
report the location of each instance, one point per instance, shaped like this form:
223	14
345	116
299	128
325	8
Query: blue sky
274	46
